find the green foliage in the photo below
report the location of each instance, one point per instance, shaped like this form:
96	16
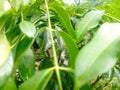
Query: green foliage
50	45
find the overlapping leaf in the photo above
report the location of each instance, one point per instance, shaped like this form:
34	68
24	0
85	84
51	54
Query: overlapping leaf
65	20
99	55
38	81
90	20
27	28
71	46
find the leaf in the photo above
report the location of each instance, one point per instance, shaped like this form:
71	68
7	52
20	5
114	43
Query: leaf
23	46
43	39
6	70
13	36
65	20
99	55
26	65
4	49
71	46
38	81
90	20
27	28
10	85
117	72
16	4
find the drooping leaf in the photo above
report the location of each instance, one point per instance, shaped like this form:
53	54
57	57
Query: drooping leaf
27	28
90	20
99	55
71	46
65	20
38	81
10	85
26	65
23	46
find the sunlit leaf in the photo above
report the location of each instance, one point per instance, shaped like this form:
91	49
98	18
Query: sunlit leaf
27	28
6	70
38	81
89	21
99	55
4	49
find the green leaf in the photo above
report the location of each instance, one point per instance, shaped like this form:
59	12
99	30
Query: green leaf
6	70
98	56
90	20
38	81
65	20
16	4
71	46
27	28
10	85
117	72
26	65
4	49
23	46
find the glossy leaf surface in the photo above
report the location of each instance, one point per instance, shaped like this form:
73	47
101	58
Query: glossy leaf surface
89	21
27	28
99	55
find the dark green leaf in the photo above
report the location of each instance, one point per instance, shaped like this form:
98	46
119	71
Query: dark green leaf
71	46
23	46
38	81
27	28
90	20
65	20
99	55
26	65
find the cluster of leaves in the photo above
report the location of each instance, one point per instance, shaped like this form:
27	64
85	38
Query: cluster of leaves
49	45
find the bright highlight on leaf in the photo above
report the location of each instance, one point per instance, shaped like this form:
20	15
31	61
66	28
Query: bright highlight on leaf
99	55
89	21
4	49
27	28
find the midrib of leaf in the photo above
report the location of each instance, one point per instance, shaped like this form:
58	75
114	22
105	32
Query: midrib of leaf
85	27
53	48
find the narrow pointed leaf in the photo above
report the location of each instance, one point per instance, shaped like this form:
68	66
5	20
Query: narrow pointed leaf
27	28
38	81
23	46
98	55
71	46
90	20
65	20
26	65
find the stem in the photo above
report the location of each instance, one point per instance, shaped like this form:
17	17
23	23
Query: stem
53	48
